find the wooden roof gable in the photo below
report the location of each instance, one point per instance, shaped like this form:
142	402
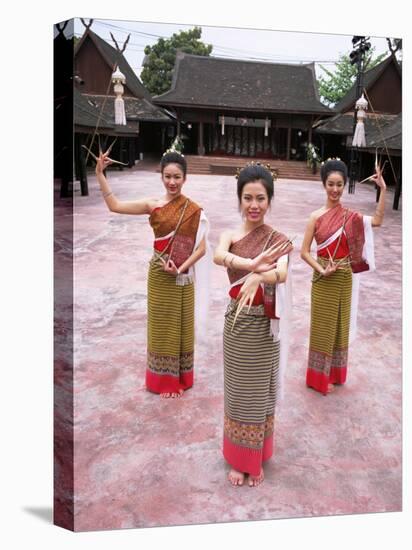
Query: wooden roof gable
110	56
370	78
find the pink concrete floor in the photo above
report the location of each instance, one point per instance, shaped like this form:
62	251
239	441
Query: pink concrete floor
141	461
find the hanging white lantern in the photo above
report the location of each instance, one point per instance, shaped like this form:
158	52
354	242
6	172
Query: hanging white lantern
222	122
266	127
359	138
118	80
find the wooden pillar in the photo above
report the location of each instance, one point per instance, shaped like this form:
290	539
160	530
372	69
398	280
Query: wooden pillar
378	192
131	152
77	160
210	131
200	145
273	148
82	168
163	138
250	140
66	171
289	140
310	130
255	137
398	189
121	152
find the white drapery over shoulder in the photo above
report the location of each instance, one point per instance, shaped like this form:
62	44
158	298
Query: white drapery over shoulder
368	254
284	304
201	274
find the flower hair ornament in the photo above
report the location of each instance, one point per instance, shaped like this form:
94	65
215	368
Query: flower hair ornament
330	158
176	147
272	171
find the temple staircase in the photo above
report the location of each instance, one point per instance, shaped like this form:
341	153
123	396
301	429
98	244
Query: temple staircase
209	165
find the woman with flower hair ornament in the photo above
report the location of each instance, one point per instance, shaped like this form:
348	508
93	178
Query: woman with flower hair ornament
344	244
180	257
255	339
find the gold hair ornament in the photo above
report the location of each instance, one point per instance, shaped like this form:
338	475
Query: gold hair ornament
330	158
273	171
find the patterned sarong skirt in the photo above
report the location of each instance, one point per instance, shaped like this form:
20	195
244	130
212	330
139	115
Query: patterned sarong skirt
251	365
329	329
170	332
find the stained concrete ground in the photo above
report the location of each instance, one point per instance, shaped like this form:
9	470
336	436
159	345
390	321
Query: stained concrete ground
141	461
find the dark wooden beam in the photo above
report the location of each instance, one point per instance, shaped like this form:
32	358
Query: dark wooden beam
398	190
82	167
200	144
310	130
289	139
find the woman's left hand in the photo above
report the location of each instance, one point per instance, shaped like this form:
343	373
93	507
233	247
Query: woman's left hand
330	268
378	178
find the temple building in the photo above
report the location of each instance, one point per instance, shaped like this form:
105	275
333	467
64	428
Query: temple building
244	108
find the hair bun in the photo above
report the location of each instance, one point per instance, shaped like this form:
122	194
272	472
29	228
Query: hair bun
272	171
333	165
254	171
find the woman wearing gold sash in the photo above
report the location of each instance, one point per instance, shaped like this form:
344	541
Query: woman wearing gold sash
180	229
344	242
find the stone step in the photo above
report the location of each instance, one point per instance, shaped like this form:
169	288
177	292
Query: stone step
227	166
208	165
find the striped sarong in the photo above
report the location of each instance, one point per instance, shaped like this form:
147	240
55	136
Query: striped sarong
170	332
251	365
329	328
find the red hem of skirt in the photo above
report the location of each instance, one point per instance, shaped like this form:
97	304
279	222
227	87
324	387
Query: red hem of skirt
245	459
319	381
166	383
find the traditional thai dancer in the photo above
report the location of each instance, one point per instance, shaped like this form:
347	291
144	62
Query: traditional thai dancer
179	257
255	331
344	245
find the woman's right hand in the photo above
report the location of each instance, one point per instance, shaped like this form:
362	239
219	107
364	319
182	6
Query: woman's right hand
265	261
102	163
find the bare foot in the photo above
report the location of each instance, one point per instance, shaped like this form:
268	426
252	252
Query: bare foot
254	481
173	395
236	478
331	388
177	395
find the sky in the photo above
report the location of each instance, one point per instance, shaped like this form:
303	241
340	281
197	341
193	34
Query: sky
239	43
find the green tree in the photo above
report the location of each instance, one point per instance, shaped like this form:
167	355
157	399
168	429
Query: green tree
335	85
160	58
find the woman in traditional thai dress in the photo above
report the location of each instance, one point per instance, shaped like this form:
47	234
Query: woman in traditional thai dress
180	228
256	258
344	244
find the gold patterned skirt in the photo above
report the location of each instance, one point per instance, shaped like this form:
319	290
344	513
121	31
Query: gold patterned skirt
251	365
170	332
329	329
